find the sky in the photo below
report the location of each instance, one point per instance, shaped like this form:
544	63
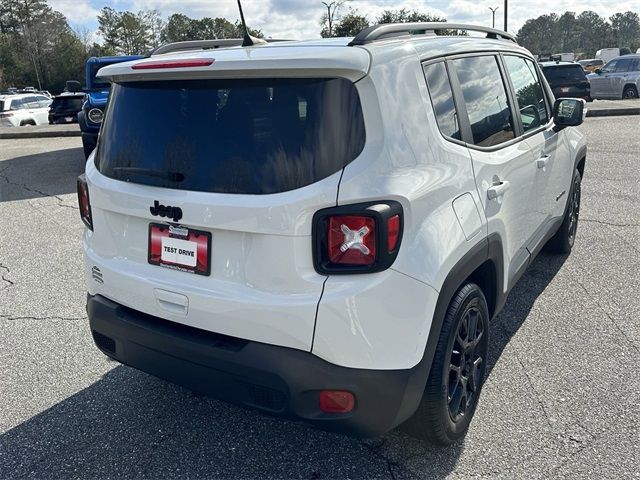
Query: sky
298	19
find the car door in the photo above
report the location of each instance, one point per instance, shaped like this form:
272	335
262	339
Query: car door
618	78
502	162
601	82
551	156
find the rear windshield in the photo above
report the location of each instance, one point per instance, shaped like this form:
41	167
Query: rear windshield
563	75
67	103
230	136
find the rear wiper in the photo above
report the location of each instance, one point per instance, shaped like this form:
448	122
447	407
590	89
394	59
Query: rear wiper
148	172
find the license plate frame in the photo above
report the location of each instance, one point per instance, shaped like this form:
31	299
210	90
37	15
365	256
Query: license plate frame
155	248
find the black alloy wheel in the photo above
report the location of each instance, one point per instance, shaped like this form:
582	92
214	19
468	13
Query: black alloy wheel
467	365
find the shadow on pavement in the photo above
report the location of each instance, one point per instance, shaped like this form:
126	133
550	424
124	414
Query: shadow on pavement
40	175
129	424
520	301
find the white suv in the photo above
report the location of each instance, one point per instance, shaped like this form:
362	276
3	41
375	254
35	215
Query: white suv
26	109
323	230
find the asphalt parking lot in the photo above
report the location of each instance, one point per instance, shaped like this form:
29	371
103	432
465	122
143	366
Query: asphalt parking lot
560	401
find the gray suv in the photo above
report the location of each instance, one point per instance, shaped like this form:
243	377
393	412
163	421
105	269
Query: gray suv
620	78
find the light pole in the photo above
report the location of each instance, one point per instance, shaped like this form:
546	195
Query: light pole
506	7
330	6
493	12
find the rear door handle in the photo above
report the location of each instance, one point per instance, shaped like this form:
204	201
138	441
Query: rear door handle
497	190
542	161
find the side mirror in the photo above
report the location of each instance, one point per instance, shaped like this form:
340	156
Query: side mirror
568	112
73	86
598	71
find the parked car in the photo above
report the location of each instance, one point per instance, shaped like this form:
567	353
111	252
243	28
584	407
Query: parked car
591	65
65	108
277	227
92	113
620	78
567	80
23	109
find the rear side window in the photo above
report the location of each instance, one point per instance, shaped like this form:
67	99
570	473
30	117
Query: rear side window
622	65
1	105
17	104
442	99
531	103
231	136
486	101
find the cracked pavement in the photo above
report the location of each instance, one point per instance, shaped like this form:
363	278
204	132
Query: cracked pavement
560	400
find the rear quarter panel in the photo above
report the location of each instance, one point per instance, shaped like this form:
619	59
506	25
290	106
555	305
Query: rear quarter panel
409	161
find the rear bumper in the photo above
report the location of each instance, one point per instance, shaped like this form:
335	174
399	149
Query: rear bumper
277	380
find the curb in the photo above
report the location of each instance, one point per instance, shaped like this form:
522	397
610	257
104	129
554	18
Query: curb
612	112
26	135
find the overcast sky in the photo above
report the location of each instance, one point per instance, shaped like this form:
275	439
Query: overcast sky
300	18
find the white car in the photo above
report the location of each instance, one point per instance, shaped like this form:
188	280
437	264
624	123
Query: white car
24	109
323	230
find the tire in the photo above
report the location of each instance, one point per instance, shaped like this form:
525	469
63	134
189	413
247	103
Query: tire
630	91
455	380
564	238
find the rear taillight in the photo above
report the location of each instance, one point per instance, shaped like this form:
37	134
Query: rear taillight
83	202
358	238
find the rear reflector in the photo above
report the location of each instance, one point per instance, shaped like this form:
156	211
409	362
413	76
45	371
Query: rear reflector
393	232
83	202
178	63
336	401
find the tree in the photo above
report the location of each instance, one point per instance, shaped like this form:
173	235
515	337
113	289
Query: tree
179	28
407	16
625	29
350	25
130	33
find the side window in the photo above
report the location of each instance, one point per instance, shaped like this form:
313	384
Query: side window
17	104
610	67
486	100
635	65
622	65
442	99
531	103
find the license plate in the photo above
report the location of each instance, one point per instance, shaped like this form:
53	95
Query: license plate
564	89
180	248
68	119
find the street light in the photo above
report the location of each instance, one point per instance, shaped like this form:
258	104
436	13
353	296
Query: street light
506	8
493	12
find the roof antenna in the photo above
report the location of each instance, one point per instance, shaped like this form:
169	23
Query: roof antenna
248	40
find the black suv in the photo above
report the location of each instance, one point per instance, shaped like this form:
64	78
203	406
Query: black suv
65	108
567	79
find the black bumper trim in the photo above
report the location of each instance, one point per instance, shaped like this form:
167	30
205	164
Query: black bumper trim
277	380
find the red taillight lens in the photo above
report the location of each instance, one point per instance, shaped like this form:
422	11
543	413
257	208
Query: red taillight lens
84	203
196	62
393	232
357	238
352	240
336	401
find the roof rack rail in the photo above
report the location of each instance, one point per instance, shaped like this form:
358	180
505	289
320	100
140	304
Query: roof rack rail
386	30
203	45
